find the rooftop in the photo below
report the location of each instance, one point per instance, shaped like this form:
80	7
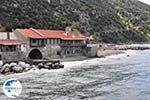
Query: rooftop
28	33
57	34
11	42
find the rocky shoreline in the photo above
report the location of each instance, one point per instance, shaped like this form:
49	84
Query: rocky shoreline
20	67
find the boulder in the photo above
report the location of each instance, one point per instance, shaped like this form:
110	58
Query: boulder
40	66
61	66
7	65
34	67
27	69
6	70
53	66
48	64
47	67
56	66
13	64
2	70
21	64
27	65
17	69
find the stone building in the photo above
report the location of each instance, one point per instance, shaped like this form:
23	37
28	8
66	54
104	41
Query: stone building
10	47
41	43
23	44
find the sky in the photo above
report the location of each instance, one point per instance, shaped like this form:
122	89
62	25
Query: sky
146	1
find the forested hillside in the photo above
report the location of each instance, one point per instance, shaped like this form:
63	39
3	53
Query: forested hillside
114	21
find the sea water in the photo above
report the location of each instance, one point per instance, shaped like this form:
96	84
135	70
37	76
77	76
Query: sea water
119	77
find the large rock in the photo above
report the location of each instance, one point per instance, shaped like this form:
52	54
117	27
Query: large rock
53	66
6	70
56	66
48	64
61	66
13	64
22	64
27	69
27	65
41	66
46	67
34	67
2	70
7	65
17	69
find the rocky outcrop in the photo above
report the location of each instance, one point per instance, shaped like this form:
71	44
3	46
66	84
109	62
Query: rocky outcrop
21	67
50	66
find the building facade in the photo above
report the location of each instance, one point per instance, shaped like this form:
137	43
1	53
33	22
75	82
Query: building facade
10	47
40	43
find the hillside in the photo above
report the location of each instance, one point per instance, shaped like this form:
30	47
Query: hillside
114	21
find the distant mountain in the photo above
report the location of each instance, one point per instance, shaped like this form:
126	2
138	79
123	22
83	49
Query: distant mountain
114	21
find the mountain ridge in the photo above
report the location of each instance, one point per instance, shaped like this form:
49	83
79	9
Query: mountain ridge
115	21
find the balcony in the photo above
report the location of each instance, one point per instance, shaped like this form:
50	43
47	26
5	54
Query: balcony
37	42
72	45
37	45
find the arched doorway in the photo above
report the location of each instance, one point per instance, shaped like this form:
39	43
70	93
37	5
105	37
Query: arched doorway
35	54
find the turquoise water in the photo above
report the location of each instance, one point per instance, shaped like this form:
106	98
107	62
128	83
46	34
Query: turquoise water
118	77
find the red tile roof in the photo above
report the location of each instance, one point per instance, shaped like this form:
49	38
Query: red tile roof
28	33
60	34
11	42
52	33
57	34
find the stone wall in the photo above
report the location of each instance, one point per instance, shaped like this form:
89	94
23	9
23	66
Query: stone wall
52	51
90	51
71	51
12	56
47	51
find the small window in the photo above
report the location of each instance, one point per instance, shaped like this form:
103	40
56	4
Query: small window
68	52
33	41
50	41
58	53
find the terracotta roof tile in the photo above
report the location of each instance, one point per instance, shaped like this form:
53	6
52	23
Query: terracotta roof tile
42	33
28	33
60	34
52	33
11	42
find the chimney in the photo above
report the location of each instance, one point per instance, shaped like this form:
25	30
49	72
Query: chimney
8	35
67	30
